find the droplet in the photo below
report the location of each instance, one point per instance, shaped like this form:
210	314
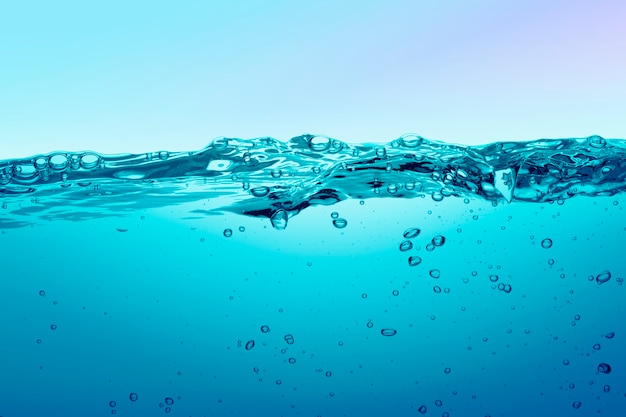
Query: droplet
163	155
228	232
438	240
406	245
435	273
279	220
388	332
546	243
411	233
414	260
249	344
603	277
340	223
604	368
58	161
133	396
289	339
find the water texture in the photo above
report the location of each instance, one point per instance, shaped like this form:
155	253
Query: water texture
316	278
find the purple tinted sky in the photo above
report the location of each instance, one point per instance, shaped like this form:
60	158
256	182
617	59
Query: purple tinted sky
118	78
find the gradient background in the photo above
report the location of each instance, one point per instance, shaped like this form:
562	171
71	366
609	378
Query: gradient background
139	76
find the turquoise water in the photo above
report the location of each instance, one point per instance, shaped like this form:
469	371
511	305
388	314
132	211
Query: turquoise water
316	278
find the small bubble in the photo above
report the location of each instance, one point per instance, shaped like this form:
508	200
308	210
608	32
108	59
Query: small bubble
289	339
388	332
292	360
42	293
435	273
596	141
411	233
550	261
278	382
577	317
437	289
334	215
228	232
249	344
604	368
381	152
340	223
493	278
364	295
603	277
546	243
370	324
276	173
112	403
395	292
329	374
361	202
576	404
596	346
447	370
38	341
53	326
414	260
423	409
255	370
340	343
565	362
169	401
265	328
430	247
242	229
610	335
406	245
133	396
607	388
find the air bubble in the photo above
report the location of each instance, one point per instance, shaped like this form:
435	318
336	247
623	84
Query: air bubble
292	360
89	160
265	328
406	245
388	332
319	143
414	260
289	339
437	289
604	368
42	293
228	232
249	344
370	324
493	278
261	191
334	215
163	155
133	396
381	152
276	173
596	141
423	409
279	220
430	247
395	293
606	388
438	240
329	374
435	273
411	233
610	335
546	243
53	327
392	188
58	161
603	277
597	346
340	223
576	404
169	401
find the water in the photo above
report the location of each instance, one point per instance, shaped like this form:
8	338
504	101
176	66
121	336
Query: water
316	278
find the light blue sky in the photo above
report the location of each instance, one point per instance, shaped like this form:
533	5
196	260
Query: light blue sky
113	77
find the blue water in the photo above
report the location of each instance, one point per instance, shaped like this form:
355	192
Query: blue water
316	278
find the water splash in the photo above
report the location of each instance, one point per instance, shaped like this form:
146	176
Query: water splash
266	178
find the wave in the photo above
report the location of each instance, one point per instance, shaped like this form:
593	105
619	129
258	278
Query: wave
264	177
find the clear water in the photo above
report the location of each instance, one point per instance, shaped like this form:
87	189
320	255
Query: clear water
314	278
